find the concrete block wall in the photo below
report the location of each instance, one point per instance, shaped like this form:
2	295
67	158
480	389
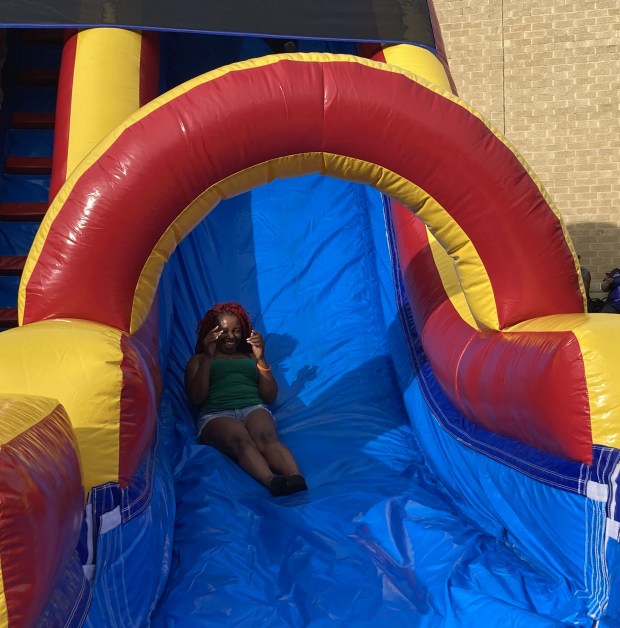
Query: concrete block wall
547	75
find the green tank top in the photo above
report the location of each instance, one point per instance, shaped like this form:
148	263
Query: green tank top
232	384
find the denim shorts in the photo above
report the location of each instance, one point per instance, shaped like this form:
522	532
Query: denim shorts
235	413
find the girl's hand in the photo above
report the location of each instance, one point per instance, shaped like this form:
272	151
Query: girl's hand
257	343
210	341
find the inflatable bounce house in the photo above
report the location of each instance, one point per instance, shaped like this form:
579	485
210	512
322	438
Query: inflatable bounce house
455	411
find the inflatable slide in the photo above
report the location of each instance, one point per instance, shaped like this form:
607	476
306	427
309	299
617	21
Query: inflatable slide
456	417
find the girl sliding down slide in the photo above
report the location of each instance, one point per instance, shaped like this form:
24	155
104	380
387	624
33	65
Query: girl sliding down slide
230	380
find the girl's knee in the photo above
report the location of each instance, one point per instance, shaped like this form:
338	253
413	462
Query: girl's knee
241	444
265	439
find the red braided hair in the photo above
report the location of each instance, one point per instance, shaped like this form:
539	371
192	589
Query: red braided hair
211	319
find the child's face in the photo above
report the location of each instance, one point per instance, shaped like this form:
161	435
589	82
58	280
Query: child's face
229	339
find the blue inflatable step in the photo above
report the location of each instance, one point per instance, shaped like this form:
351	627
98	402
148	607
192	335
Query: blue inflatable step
24	188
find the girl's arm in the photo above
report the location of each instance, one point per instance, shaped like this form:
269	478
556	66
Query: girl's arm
267	385
198	368
197	378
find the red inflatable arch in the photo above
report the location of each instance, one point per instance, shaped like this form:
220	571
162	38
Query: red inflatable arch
113	225
135	197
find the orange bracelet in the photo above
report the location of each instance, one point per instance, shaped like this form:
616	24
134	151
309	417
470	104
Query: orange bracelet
262	368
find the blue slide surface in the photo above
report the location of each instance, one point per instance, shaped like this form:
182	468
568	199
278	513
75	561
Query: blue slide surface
376	541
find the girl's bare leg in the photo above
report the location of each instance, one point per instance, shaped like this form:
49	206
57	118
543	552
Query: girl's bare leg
231	437
262	429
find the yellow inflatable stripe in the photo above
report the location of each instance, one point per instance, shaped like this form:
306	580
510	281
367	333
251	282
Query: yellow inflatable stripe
598	336
4	613
106	87
348	168
473	280
431	74
424	64
450	280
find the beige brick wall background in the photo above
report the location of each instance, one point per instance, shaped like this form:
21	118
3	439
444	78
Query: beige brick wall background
547	75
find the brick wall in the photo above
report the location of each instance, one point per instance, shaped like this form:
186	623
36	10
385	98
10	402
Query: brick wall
547	75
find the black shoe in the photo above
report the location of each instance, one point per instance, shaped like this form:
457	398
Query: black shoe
278	486
296	483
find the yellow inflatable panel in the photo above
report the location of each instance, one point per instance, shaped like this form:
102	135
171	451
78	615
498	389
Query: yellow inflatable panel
106	87
598	336
418	61
78	363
